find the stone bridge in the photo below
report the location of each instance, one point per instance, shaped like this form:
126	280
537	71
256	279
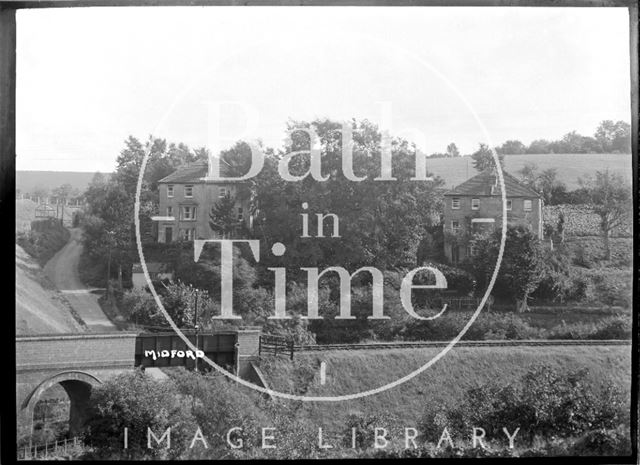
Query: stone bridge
79	362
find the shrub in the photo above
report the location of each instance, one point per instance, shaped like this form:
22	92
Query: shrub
44	240
137	402
233	408
488	326
613	328
603	442
138	306
545	402
365	426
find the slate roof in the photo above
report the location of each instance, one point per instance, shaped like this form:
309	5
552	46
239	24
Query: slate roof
481	185
193	173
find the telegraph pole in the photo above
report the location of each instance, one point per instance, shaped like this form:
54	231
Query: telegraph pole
195	325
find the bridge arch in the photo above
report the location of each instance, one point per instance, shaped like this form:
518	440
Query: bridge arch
77	385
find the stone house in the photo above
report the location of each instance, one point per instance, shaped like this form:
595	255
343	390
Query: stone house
475	206
186	200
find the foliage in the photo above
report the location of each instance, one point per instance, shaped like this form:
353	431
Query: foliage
232	408
607	442
614	137
139	306
222	218
546	403
610	199
559	280
611	328
452	150
381	223
512	147
137	402
483	158
44	240
546	182
520	270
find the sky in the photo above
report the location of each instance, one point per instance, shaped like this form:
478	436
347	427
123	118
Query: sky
87	78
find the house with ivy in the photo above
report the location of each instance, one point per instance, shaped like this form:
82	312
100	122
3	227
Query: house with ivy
475	207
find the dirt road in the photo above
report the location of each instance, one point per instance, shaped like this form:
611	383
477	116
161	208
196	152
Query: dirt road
62	269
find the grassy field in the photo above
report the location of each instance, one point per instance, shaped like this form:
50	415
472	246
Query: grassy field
445	382
570	166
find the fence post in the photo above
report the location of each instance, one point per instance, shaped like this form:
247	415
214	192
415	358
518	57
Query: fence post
65	445
46	449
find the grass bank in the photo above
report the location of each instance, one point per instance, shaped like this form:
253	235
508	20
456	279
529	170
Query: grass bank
350	372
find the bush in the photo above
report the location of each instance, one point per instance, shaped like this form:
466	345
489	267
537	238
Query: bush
545	403
488	326
233	408
365	426
138	306
612	287
137	402
608	328
44	240
603	442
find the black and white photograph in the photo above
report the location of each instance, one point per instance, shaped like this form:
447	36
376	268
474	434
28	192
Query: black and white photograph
317	231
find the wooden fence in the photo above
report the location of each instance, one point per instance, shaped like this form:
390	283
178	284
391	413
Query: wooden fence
275	345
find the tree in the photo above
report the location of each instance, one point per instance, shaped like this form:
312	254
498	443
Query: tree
573	142
529	175
547	183
610	198
539	146
381	223
222	218
512	147
551	188
40	193
180	301
63	192
521	267
483	158
452	150
614	137
136	401
108	226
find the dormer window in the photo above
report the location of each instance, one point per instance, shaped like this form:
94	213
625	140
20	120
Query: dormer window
475	204
455	203
188	191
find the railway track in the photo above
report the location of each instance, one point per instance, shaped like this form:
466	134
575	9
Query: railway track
436	344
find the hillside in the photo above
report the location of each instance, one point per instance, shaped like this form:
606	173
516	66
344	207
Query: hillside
454	170
350	372
570	166
26	181
40	308
25	214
